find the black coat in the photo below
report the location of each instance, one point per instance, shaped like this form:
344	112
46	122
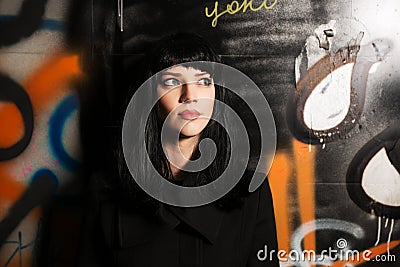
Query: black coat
201	236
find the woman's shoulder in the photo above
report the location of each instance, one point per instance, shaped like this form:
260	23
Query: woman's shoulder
241	194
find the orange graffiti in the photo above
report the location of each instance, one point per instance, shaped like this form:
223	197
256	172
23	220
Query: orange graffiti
10	189
47	81
278	177
12	123
42	86
304	162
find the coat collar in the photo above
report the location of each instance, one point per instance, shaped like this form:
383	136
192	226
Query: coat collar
206	220
134	228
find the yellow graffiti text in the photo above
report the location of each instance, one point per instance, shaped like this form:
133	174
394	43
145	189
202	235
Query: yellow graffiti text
235	7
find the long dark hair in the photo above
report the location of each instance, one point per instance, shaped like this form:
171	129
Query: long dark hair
179	49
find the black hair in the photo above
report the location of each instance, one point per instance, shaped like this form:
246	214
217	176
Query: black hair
180	49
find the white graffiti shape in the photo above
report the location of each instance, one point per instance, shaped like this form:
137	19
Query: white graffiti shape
322	224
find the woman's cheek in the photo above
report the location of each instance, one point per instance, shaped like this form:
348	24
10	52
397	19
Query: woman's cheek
167	104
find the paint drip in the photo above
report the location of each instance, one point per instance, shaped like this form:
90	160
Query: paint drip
390	236
120	4
379	231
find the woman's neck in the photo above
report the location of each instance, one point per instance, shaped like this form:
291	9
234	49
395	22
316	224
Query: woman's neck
179	153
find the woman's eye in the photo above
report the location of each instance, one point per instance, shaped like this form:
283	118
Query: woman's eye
204	81
171	82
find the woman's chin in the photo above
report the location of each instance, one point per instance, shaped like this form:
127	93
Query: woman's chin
193	128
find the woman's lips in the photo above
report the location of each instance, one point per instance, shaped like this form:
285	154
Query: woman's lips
189	114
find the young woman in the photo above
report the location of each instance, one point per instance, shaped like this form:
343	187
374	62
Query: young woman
127	227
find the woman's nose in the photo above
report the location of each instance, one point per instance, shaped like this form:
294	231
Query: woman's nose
188	92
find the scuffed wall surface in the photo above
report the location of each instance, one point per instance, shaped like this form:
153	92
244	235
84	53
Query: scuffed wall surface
66	54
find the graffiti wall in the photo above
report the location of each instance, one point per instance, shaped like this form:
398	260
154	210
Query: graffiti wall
328	69
39	110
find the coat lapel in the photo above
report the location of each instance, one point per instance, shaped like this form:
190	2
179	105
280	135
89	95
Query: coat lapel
206	220
135	228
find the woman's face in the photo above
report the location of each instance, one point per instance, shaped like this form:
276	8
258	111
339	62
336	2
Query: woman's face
187	97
